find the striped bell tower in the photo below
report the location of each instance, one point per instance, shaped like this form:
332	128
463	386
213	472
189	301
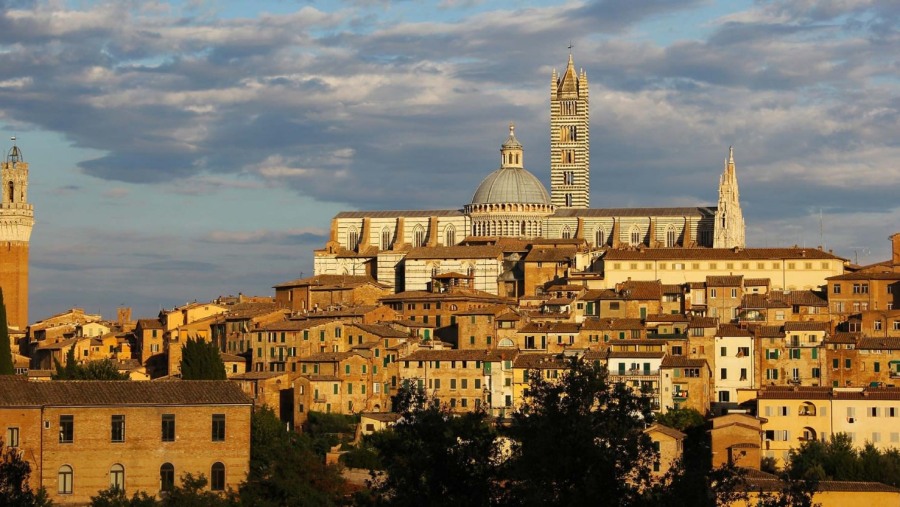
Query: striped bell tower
570	153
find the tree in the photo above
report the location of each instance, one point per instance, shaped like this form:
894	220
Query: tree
15	489
284	469
432	457
201	361
92	370
580	439
6	361
682	419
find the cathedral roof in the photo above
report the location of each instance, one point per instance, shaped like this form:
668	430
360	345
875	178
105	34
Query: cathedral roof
511	185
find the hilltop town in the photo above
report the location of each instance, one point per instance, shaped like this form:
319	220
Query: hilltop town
776	346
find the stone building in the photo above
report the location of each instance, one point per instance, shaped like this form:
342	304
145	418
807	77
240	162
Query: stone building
16	222
511	202
81	437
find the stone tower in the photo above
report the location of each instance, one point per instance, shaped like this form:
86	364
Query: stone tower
16	221
729	229
570	154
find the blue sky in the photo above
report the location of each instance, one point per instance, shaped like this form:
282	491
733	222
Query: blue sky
187	150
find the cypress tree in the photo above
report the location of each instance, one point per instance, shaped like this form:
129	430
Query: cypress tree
201	361
6	362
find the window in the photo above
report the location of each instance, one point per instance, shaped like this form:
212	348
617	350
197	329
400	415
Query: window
218	427
723	351
117	477
168	427
723	374
217	477
12	437
837	288
65	480
66	429
877	325
635	236
117	428
166	477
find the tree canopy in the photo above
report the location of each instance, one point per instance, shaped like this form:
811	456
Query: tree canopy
103	369
15	489
284	469
201	360
6	361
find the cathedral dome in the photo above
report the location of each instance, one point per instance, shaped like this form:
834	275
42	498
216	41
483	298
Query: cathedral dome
511	184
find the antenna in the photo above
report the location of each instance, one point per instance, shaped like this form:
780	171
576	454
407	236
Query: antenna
856	251
822	231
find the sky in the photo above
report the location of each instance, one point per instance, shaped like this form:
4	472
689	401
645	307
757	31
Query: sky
181	151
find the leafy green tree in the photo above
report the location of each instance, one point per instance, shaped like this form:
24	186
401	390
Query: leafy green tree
193	493
580	439
431	457
201	361
682	419
285	470
15	490
92	370
116	497
6	361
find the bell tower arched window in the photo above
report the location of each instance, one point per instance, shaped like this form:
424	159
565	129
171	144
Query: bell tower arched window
12	192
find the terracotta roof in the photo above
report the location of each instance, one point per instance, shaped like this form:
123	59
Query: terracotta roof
456	294
249	310
665	430
149	324
325	357
347	311
768	332
532	360
824	393
67	393
485	310
460	355
385	417
718	254
456	252
381	330
600	294
800	297
865	275
290	325
636	354
258	375
452	275
843	337
757	282
232	358
550	254
728	330
724	281
806	326
878	344
635	289
509	317
550	327
329	281
559	301
697	322
682	362
611	324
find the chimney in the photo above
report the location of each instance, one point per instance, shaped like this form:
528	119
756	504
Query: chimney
895	252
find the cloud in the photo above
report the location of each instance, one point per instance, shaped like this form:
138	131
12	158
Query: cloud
264	236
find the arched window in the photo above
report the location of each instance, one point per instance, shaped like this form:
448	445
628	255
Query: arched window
600	237
217	477
418	236
166	477
566	233
65	477
635	236
12	192
450	235
671	239
117	477
352	238
568	200
506	342
385	239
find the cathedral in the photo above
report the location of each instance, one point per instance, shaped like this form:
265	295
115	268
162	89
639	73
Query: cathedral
511	211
